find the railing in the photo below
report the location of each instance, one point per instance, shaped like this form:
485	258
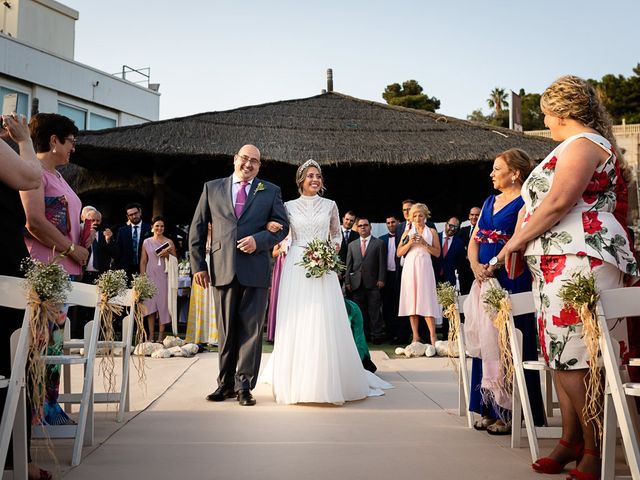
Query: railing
617	130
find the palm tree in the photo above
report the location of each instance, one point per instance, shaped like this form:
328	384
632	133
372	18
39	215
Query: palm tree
498	100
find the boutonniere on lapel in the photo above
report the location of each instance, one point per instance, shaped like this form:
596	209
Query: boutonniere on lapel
259	188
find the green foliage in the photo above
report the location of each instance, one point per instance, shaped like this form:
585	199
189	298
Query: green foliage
410	95
621	95
498	100
532	116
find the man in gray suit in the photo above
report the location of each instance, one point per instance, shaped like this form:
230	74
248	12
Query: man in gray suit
365	275
239	208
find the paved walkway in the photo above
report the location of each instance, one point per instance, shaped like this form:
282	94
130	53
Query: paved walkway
411	432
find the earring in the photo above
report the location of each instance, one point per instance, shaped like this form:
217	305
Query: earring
54	150
513	180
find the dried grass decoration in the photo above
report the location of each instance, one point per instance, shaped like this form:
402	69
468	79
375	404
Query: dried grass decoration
448	298
111	283
143	289
580	293
47	286
497	303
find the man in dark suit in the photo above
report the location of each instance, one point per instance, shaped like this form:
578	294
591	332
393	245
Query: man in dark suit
452	256
99	258
238	208
465	274
126	248
397	330
348	235
365	276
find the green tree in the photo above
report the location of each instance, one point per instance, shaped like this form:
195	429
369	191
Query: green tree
498	100
410	95
621	95
532	116
478	116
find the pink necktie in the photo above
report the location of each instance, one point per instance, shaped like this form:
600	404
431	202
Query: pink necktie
445	249
363	247
241	198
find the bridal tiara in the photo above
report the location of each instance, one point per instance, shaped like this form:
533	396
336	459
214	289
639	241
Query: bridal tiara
309	163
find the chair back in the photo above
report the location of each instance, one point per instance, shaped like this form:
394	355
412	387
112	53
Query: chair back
12	293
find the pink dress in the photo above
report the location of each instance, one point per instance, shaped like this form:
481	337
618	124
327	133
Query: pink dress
418	282
54	185
158	276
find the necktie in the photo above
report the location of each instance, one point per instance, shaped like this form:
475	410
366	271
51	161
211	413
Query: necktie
134	243
445	247
241	198
345	235
363	246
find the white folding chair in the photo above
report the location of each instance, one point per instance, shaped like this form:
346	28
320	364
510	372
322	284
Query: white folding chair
618	303
14	413
464	382
121	396
82	433
522	303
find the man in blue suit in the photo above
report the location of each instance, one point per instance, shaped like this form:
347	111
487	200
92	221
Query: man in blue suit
398	330
452	256
238	208
126	249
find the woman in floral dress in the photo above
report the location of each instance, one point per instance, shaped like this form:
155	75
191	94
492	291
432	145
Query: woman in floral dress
573	221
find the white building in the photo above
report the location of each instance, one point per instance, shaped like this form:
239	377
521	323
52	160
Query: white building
37	40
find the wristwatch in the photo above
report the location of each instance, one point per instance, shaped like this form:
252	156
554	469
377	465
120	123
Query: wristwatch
495	263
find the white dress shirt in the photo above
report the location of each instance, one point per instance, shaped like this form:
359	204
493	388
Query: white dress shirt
391	254
235	187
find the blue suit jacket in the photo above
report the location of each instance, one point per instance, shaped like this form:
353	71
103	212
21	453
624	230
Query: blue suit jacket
122	250
445	267
385	239
216	206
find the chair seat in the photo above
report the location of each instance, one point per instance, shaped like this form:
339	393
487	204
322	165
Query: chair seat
4	382
64	359
79	344
535	365
634	362
632	389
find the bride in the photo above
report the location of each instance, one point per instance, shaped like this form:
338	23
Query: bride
314	359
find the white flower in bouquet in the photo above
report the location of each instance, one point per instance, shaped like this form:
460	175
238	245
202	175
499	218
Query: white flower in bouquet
319	258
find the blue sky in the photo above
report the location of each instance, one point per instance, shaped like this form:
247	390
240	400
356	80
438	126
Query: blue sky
216	55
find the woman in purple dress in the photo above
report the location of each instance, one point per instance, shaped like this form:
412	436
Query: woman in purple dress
152	262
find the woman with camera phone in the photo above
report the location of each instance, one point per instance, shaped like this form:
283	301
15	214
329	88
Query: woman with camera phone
155	252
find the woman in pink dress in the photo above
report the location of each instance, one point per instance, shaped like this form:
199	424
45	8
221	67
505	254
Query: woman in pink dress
153	264
418	282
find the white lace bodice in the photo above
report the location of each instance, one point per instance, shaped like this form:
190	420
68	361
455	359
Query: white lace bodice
311	218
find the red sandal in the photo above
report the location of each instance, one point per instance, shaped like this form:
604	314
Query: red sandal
551	466
576	474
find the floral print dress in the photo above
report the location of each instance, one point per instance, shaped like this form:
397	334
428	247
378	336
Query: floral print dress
590	238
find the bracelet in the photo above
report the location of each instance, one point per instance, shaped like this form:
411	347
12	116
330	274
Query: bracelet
69	250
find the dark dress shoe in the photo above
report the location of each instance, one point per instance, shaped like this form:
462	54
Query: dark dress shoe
221	394
245	398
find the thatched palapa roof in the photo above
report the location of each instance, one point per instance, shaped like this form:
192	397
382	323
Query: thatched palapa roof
332	128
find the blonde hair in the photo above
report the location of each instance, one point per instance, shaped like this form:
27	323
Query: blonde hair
301	174
419	207
573	98
519	161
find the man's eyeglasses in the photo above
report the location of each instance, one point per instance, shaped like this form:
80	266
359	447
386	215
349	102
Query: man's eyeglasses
246	158
452	226
363	225
133	214
406	209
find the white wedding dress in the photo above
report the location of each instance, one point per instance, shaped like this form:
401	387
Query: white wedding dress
315	359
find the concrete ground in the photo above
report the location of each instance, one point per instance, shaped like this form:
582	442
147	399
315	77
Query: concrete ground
172	432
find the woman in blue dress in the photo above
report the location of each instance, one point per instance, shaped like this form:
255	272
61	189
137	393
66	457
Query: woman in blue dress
496	225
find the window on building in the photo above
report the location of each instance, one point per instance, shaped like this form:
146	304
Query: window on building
23	100
78	115
98	122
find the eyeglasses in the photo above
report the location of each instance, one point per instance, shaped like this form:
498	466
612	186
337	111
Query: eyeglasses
71	139
246	158
133	214
452	226
406	209
363	225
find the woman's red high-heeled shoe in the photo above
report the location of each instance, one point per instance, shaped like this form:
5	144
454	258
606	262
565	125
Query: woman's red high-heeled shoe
551	466
576	474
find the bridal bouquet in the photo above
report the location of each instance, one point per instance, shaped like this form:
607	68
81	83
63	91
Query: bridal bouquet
319	258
